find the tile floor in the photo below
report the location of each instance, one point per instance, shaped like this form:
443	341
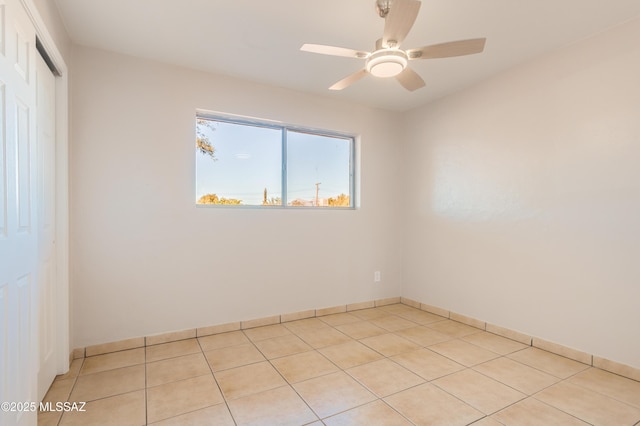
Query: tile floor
393	365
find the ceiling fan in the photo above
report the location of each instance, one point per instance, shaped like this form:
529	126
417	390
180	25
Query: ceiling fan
388	60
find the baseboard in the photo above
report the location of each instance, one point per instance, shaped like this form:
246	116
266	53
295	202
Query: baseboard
556	348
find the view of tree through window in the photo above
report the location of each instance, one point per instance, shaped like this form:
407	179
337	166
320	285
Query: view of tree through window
256	164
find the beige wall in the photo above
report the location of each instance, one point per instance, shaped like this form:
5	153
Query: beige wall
523	198
145	260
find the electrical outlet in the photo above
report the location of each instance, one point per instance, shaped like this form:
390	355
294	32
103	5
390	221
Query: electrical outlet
376	277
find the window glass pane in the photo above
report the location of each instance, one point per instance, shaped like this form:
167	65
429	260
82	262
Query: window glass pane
238	163
318	170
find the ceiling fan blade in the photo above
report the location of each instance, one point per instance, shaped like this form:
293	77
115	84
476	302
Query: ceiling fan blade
333	51
398	23
348	81
410	80
447	50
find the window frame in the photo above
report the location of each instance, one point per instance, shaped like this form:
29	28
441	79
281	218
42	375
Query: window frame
284	128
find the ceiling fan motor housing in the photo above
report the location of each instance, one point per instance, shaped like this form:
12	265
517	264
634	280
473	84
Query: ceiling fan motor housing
382	7
386	62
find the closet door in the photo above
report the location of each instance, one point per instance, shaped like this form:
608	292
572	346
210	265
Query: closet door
19	247
47	295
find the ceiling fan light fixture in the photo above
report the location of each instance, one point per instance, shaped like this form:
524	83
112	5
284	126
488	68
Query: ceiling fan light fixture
386	63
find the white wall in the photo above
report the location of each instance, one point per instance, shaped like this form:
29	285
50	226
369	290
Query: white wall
523	198
145	260
521	203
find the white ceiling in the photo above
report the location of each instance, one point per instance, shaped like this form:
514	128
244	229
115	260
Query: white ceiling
259	40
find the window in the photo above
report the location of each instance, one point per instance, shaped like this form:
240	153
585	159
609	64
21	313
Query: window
251	163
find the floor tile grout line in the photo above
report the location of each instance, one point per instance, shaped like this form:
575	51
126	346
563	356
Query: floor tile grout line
559	380
452	359
291	385
586	389
221	347
598	392
386	396
526	396
539	369
533	396
411	387
340	370
387	358
481	347
115	394
146	387
173	356
558	408
322	419
75	382
510	386
483	418
394	409
77	377
226	403
435	378
466	402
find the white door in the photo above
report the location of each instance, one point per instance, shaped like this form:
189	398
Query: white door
18	213
46	91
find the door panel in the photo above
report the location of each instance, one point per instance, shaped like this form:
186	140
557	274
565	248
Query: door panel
22	355
45	88
23	139
3	167
4	340
18	238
